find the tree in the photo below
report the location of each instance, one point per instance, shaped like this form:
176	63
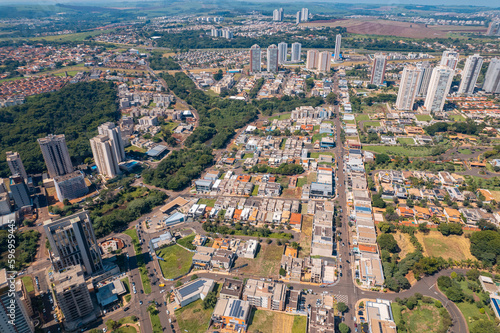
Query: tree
343	328
382	158
472	274
331	98
387	242
484	326
455	293
194	277
178	284
210	300
112	325
282	271
342	307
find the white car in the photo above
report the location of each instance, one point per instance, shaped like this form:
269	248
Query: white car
104	329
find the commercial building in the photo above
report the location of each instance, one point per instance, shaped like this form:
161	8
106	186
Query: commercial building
312	59
450	59
272	58
70	186
296	49
19	191
5	204
232	314
425	78
282	52
492	77
324	61
73	242
321	320
470	74
16	165
379	316
21	321
408	88
104	156
338	41
72	295
56	155
255	58
192	291
267	295
278	15
439	86
378	69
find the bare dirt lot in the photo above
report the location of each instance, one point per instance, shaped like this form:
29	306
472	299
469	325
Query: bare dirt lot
393	28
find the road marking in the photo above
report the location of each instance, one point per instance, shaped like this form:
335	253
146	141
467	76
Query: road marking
431	286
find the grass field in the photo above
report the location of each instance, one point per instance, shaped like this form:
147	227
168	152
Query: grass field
456	117
316	154
248	155
265	264
423	318
423	117
187	241
318	136
146	283
360	117
135	149
437	245
306	236
398	150
78	37
465	151
407	141
193	318
276	322
155	323
133	234
206	201
371	124
177	261
255	191
28	284
281	116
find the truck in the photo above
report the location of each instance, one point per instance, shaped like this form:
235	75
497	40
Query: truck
161	285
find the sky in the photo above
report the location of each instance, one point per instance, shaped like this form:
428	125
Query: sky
489	3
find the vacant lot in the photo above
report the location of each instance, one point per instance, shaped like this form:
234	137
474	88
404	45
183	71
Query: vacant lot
392	28
306	236
407	141
399	150
266	263
275	322
28	283
177	261
437	245
423	117
193	318
423	318
404	244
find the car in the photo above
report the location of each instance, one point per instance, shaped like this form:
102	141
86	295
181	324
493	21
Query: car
340	266
340	274
140	302
360	313
142	292
104	329
165	303
126	308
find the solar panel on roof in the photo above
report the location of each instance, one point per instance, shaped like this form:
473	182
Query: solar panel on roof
192	287
236	310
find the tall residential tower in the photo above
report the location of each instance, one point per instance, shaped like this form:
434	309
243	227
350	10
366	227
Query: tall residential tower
296	49
492	77
272	58
408	88
378	69
255	59
470	74
338	41
439	87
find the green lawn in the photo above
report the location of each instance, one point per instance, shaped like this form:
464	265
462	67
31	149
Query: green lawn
282	145
177	261
282	116
126	283
146	283
77	37
423	318
465	151
456	117
255	190
187	241
135	239
408	141
248	155
423	117
398	150
28	283
371	124
301	181
347	121
318	136
360	117
193	318
135	149
206	201
299	324
396	311
155	323
316	154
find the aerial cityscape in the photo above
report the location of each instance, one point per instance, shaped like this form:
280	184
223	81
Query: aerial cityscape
249	166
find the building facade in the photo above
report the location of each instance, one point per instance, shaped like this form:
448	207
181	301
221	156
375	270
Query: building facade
104	156
19	191
312	59
21	320
296	49
470	74
439	86
255	58
16	165
272	58
492	77
425	78
450	59
282	52
115	136
73	242
378	69
56	155
338	41
408	88
70	186
324	61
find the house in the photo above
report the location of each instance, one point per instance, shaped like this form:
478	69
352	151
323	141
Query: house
422	213
471	215
295	220
269	190
455	194
231	288
437	212
446	179
405	212
232	314
488	197
452	215
223	259
414	193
